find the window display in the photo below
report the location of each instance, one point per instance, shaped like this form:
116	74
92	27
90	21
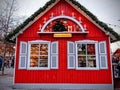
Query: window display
86	55
39	55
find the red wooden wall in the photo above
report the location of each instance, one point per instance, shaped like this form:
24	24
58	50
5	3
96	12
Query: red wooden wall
63	75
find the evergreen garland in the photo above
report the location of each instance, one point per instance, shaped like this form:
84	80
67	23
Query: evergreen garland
59	27
26	22
31	18
94	18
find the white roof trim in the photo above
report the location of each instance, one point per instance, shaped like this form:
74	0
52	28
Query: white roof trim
65	17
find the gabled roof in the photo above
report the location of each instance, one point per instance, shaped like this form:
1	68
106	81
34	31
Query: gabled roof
117	52
12	35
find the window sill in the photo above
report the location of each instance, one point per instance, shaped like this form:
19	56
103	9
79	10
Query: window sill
38	68
86	68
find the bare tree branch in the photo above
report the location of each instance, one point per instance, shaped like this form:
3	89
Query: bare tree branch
7	10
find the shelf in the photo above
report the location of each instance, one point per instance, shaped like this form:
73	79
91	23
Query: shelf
63	32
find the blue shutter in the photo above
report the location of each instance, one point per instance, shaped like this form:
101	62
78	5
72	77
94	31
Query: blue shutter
54	55
103	55
23	55
71	55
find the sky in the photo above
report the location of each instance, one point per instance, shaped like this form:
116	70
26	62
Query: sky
107	11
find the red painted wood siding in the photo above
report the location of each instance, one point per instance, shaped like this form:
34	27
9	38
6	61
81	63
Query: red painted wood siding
63	75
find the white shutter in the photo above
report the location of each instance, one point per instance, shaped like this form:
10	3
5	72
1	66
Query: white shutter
54	47
103	62
71	62
54	62
71	48
54	55
102	47
23	55
103	55
71	55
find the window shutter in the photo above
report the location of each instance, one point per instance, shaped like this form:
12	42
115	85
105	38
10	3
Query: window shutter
71	55
103	62
103	55
102	47
23	55
54	55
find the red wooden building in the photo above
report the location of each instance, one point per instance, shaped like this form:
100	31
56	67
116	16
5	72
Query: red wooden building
63	46
116	68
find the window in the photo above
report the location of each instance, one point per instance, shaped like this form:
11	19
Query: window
38	55
87	54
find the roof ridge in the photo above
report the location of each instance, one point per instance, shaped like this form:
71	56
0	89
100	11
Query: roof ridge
76	3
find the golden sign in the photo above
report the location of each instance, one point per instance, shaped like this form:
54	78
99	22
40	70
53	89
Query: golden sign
64	35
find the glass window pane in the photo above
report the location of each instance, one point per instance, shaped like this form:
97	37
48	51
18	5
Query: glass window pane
43	57
91	49
34	49
34	62
43	63
81	49
44	47
81	61
91	61
43	52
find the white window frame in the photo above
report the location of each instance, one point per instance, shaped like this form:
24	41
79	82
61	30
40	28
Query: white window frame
38	42
96	50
